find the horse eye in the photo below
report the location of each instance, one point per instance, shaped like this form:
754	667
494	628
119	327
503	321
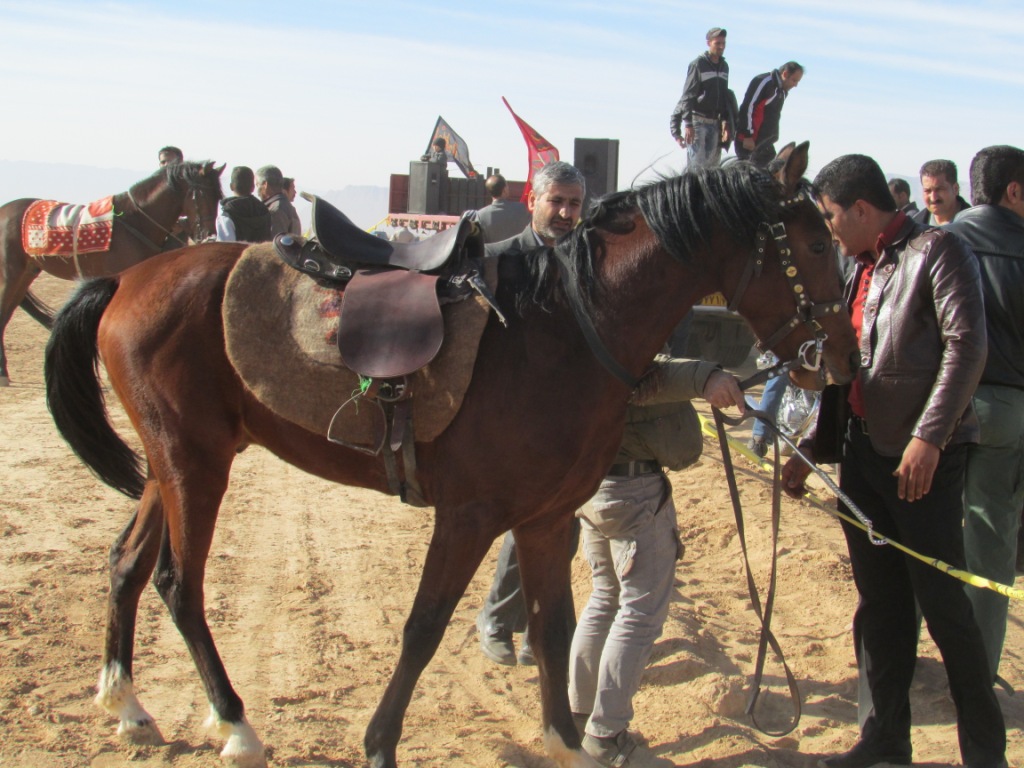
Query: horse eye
818	248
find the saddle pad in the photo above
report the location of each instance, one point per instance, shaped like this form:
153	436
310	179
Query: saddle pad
281	332
50	228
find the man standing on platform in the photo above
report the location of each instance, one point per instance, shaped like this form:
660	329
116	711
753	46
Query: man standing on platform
757	127
702	121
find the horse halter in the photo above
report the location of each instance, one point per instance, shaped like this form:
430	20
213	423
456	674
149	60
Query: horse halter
808	313
198	230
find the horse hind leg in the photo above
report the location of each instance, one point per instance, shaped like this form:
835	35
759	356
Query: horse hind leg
132	559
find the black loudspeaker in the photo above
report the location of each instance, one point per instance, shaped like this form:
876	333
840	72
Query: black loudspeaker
598	159
425	183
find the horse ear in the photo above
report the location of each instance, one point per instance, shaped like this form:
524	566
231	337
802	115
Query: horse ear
221	169
792	172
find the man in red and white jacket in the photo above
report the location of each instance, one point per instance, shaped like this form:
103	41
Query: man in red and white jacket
758	124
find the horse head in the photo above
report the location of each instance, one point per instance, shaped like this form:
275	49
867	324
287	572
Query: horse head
811	329
202	200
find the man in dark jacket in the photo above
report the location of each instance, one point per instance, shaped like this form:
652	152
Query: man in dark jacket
916	303
757	127
243	217
703	119
941	192
994	488
900	190
555	203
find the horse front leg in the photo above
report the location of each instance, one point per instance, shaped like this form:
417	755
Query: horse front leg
543	548
457	547
132	559
191	513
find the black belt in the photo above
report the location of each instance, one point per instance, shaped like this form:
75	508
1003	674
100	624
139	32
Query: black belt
634	468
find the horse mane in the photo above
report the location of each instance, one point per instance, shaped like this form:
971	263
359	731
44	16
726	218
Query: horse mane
189	173
682	211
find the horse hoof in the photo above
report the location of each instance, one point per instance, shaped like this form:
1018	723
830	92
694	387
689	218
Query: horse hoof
242	748
243	759
140	732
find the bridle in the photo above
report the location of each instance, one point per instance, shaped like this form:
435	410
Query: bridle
808	313
199	232
197	228
810	354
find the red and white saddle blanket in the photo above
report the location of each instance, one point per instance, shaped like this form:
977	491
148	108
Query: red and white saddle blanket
50	228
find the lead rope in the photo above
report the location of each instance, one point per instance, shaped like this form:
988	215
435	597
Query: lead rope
767	637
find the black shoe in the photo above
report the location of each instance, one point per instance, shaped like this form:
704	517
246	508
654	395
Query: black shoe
610	752
865	754
496	644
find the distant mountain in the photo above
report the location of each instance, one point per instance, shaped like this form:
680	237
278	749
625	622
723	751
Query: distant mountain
63	181
71	183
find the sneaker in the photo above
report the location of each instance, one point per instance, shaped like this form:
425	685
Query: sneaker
758	446
496	644
865	755
610	752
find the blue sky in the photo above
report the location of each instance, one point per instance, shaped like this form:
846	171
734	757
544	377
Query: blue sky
346	93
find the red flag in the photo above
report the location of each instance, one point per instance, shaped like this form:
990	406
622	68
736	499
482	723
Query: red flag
541	150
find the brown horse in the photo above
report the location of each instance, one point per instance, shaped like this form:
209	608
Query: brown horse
144	216
538	428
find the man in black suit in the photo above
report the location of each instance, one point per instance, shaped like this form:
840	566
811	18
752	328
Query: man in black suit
555	203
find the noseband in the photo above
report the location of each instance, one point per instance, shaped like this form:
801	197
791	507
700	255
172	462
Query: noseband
808	313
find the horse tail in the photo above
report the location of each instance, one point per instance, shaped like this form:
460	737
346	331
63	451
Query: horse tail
74	393
39	310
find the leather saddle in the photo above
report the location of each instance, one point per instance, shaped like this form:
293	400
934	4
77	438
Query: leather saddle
391	323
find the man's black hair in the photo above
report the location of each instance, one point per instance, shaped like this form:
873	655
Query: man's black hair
992	171
936	168
850	178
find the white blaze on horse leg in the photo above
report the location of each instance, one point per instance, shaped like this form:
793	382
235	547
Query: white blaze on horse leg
562	755
116	694
243	748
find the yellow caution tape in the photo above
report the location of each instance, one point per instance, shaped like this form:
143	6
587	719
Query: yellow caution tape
965	576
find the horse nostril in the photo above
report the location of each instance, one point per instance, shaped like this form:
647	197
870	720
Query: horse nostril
855	361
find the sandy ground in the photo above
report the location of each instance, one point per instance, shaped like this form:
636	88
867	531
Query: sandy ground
307	591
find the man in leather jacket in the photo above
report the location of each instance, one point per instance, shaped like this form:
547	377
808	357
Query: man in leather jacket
916	303
994	488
